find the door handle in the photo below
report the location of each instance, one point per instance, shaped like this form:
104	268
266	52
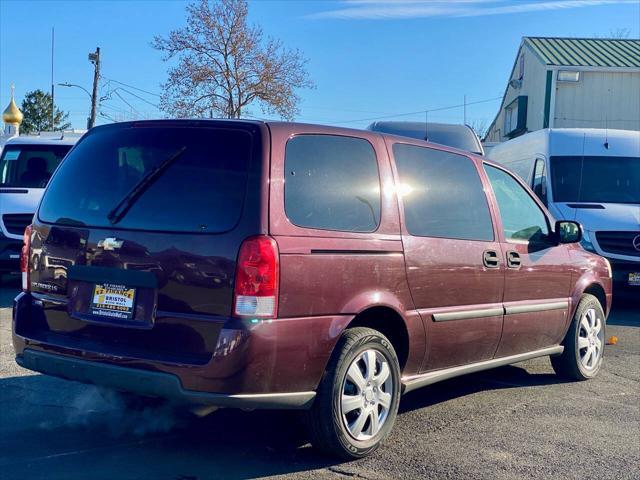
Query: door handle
490	259
513	260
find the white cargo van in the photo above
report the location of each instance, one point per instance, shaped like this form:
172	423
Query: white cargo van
26	164
591	176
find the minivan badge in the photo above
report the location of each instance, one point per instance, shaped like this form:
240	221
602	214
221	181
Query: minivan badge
110	243
636	242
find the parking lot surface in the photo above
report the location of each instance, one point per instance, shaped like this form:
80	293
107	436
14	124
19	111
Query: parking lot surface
514	422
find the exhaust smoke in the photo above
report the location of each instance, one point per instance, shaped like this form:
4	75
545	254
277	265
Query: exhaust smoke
123	414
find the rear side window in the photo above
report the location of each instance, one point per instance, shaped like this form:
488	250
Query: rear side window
522	219
332	183
442	194
30	166
203	190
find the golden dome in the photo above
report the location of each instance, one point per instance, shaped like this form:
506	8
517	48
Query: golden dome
12	114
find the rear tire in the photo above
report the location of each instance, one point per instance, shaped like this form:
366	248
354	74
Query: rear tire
358	397
584	342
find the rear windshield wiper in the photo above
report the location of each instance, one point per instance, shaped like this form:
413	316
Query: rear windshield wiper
139	188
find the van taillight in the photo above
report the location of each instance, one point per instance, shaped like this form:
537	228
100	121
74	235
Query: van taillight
256	284
25	254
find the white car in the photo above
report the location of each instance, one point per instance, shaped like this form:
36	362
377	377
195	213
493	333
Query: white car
591	176
26	164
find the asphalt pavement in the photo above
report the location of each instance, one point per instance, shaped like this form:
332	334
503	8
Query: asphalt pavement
510	423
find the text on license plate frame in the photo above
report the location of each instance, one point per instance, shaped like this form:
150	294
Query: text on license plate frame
113	301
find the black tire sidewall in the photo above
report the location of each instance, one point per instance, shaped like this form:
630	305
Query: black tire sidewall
358	448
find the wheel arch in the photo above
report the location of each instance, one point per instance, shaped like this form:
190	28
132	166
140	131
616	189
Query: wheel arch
597	291
391	324
593	283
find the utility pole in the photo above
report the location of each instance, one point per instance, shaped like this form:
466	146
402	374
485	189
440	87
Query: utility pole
426	125
465	109
53	103
95	59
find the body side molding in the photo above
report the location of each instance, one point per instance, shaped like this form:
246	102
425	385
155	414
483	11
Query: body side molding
418	381
466	314
495	311
535	307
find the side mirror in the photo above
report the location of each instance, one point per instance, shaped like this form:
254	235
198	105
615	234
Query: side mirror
568	232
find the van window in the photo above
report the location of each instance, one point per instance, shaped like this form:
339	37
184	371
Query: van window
203	190
332	183
442	194
522	218
539	182
28	165
596	179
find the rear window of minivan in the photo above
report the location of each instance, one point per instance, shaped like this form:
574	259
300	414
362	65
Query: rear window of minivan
203	190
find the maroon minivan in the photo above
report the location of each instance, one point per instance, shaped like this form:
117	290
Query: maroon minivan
282	265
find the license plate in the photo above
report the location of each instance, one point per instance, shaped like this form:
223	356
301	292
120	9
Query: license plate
111	300
634	279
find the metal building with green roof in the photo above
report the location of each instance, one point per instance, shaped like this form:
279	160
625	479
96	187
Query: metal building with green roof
570	83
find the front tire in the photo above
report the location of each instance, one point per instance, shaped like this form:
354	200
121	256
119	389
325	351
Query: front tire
584	342
358	397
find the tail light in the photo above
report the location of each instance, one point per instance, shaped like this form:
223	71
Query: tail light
25	255
256	284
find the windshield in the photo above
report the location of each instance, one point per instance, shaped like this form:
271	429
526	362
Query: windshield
603	180
30	166
201	191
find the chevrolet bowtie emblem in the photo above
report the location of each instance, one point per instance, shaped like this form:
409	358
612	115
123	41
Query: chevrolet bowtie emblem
110	243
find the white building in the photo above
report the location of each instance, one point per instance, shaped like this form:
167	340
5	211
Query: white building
570	83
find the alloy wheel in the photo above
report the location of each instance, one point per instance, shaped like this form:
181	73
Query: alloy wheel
590	339
367	392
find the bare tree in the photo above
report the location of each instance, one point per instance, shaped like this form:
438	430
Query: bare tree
480	126
224	65
620	33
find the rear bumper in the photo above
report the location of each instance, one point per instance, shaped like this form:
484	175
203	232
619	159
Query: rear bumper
153	384
9	254
255	364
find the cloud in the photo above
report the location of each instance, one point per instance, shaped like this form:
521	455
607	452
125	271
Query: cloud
409	2
408	9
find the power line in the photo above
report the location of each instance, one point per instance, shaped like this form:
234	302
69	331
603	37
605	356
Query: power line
108	117
429	110
404	114
122	98
332	109
125	111
115	109
131	86
139	98
114	94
